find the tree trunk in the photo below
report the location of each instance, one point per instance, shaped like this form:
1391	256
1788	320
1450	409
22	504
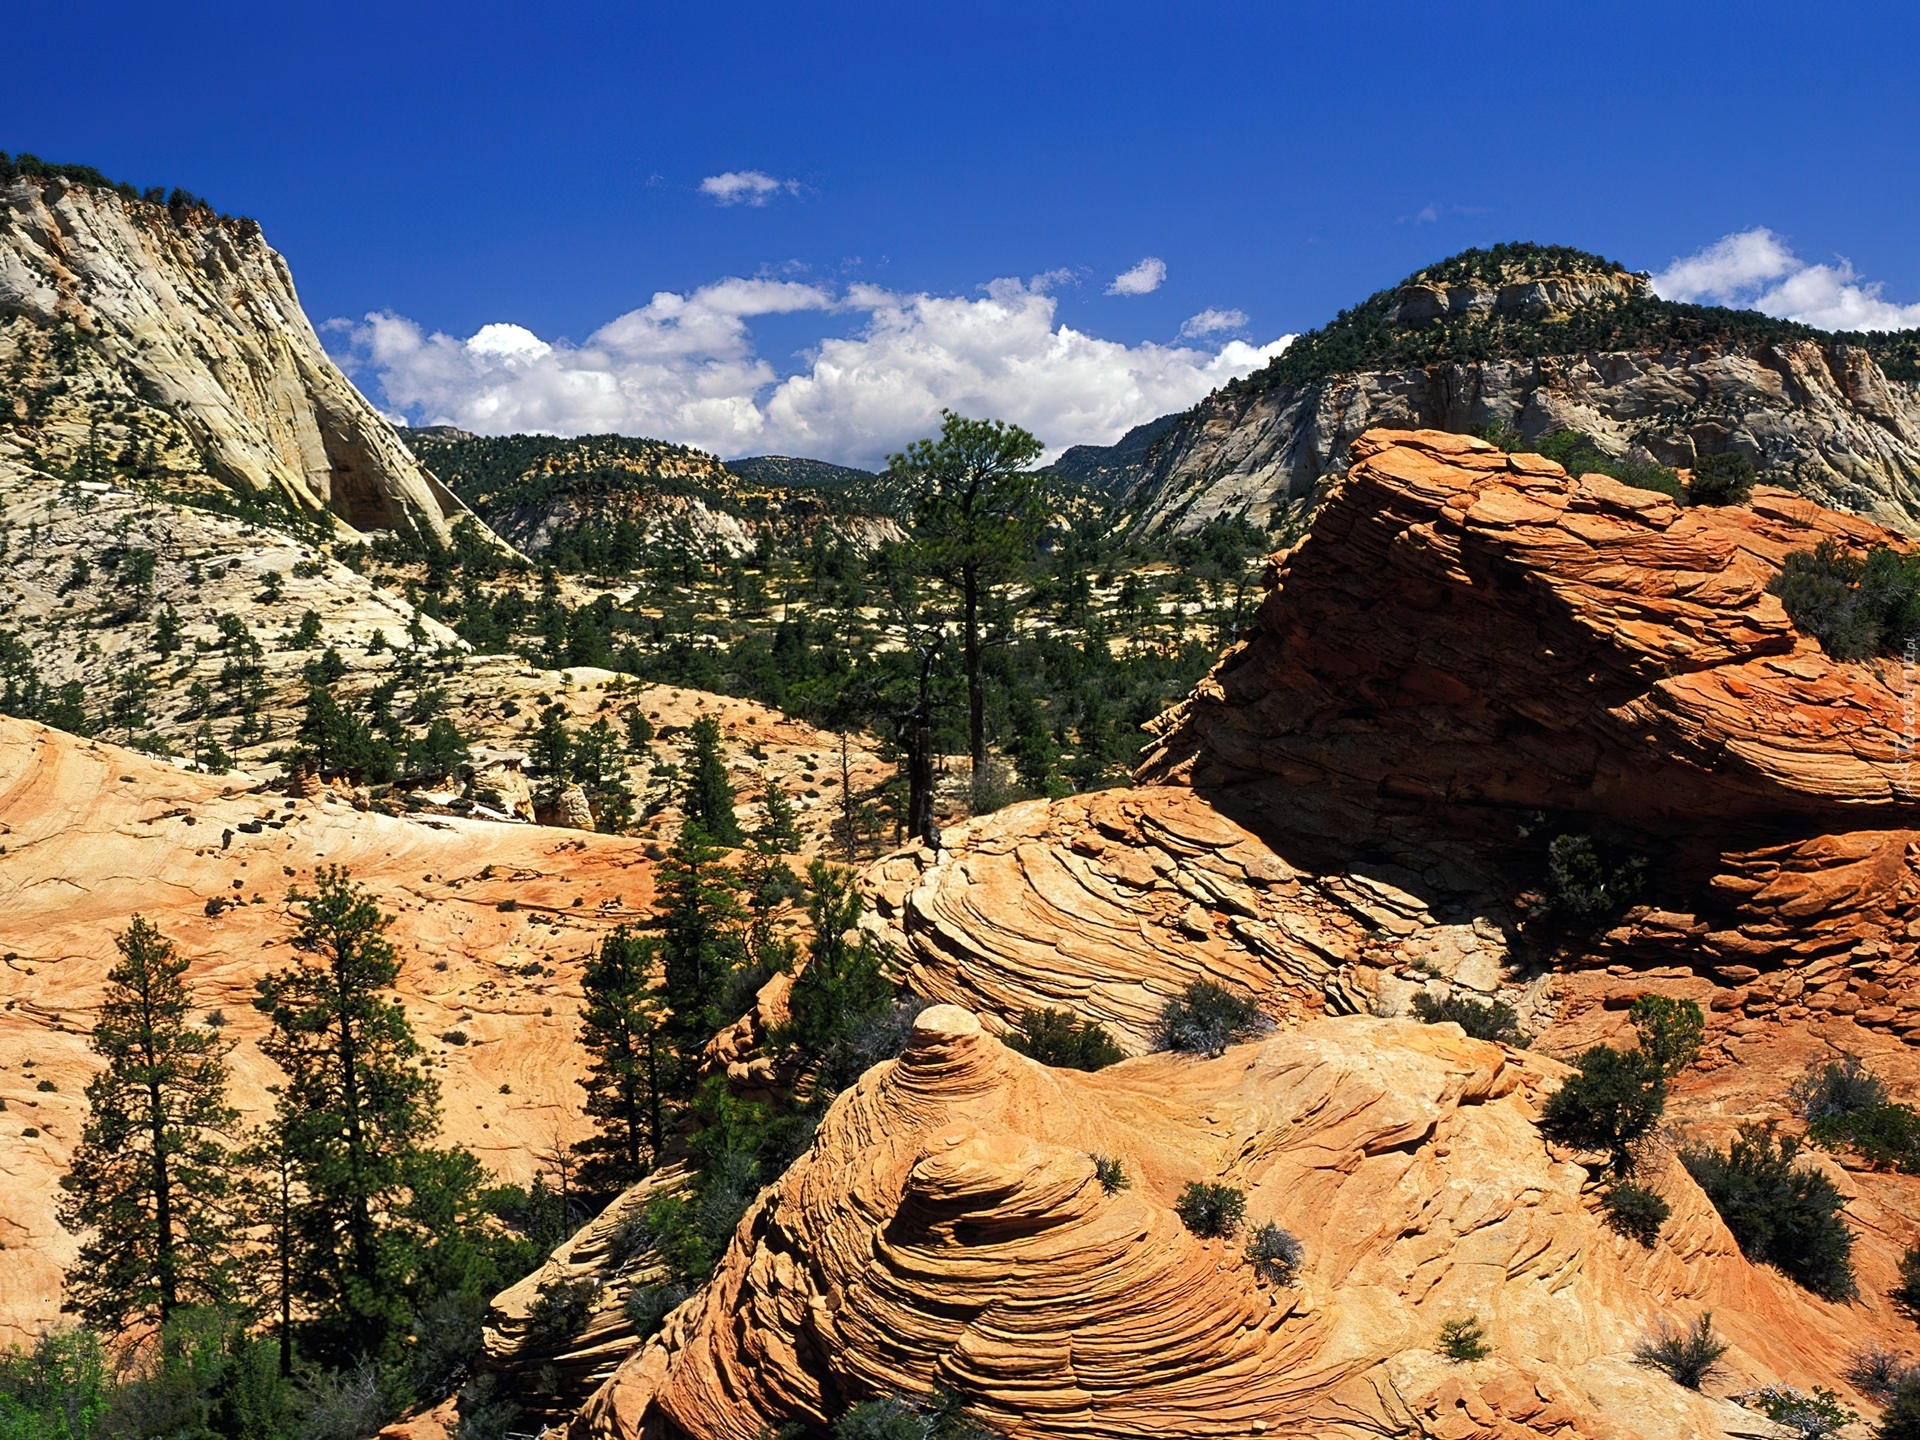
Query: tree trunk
976	680
359	1215
918	735
163	1256
653	1099
286	1268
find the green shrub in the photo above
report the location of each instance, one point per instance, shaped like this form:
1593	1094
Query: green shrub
1907	1292
1901	1419
1481	1019
1206	1018
1210	1211
560	1311
1839	1087
1578	455
1613	1102
1781	1215
1463	1340
60	1389
648	1306
1855	608
1062	1039
1618	1096
1275	1254
1585	887
1886	1136
1671	1031
1721	480
1813	1417
1112	1176
1688	1356
1636	1212
486	1413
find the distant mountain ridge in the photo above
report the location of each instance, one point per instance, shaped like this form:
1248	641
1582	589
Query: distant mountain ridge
1542	339
544	491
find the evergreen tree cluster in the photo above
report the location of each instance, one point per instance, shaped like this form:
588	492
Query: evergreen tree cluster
323	1269
31	167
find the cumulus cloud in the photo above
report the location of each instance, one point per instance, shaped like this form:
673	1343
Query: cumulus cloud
1756	270
1142	279
746	187
1211	322
683	368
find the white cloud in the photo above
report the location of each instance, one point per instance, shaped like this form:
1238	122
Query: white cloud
1755	270
683	368
1211	322
746	187
1142	279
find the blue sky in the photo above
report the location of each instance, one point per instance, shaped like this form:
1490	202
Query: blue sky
541	167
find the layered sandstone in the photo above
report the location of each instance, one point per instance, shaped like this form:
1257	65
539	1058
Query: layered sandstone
1469	638
1112	903
124	324
948	1228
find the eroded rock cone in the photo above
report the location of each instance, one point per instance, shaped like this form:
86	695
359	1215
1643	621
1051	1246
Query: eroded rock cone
949	1227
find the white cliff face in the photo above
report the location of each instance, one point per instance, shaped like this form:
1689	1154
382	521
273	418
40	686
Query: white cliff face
1820	418
128	330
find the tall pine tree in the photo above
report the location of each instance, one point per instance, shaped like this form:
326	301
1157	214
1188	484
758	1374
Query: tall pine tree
355	1116
978	510
633	1068
151	1175
709	798
700	943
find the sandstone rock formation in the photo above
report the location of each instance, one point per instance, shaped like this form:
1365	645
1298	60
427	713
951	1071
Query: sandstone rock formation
1819	410
1468	638
551	1376
184	329
491	922
948	1228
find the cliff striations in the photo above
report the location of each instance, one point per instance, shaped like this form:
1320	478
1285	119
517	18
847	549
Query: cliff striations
171	343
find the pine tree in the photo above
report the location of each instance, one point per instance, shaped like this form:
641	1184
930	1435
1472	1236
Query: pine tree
166	631
151	1174
639	730
778	833
328	733
355	1113
709	798
977	512
632	1069
843	984
700	946
553	750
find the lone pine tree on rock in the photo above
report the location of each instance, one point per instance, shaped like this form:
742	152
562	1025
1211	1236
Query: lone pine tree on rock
151	1176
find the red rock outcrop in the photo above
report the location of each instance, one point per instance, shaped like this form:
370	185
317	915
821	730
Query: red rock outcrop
1468	637
948	1227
